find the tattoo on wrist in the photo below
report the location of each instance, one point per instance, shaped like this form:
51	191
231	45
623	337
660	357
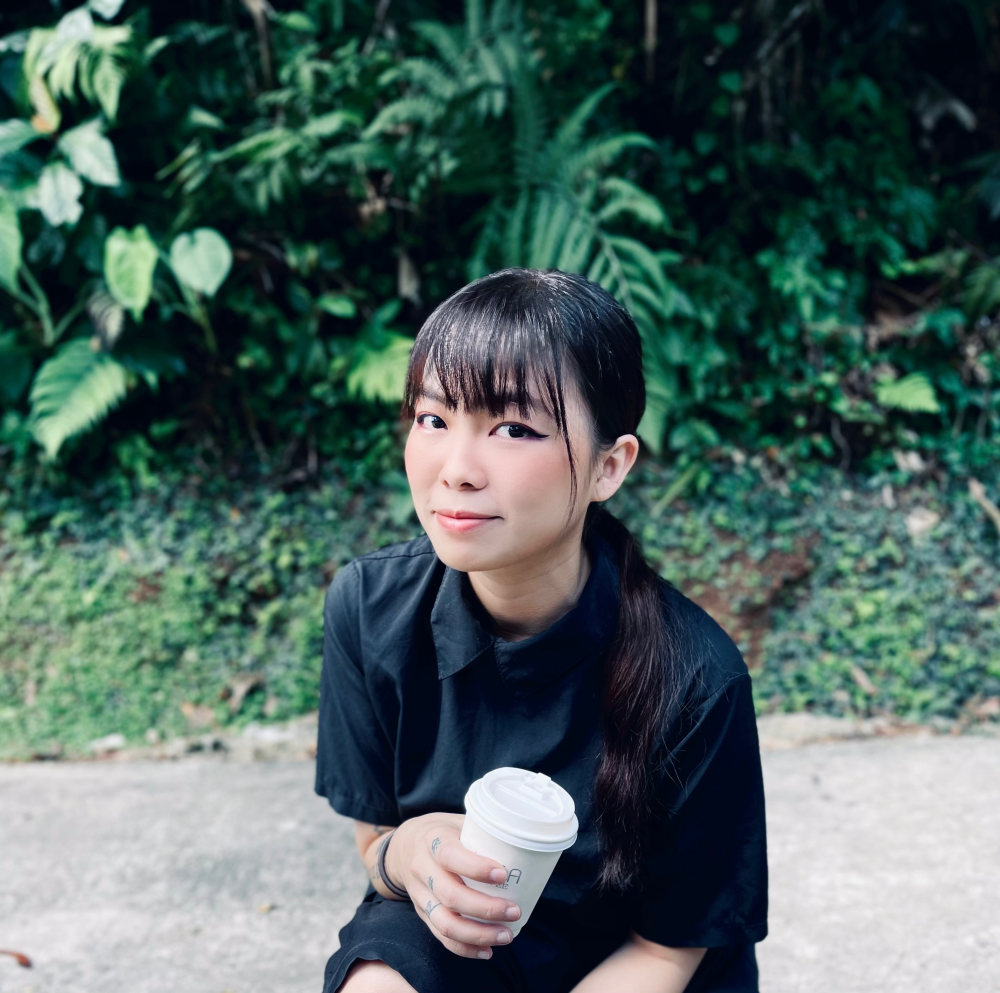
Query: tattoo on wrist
435	845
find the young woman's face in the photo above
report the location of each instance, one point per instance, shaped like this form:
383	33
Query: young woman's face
494	492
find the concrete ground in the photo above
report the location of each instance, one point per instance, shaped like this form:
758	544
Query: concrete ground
209	875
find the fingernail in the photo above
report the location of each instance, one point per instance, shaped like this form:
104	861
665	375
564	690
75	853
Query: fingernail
503	937
484	954
512	913
498	875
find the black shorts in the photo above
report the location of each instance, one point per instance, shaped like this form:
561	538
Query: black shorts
540	959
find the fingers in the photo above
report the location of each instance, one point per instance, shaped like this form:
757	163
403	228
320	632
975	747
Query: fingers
461	936
441	897
447	850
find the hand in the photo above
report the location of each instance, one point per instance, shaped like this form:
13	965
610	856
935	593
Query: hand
427	857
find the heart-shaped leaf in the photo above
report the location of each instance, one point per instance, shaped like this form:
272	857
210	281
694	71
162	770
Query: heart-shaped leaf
129	261
201	260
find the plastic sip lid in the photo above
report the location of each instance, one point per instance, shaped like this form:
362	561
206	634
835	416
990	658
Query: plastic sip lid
523	808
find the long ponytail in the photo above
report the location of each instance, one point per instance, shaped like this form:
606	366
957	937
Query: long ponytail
512	339
642	689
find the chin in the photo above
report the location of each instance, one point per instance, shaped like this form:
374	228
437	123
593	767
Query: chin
468	553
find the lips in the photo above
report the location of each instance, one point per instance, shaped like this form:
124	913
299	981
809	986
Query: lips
463	521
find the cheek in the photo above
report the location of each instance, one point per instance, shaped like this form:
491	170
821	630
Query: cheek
419	464
538	484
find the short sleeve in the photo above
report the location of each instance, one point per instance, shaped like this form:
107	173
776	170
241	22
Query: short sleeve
705	870
354	756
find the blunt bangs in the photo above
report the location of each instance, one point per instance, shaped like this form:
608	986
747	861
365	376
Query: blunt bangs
495	344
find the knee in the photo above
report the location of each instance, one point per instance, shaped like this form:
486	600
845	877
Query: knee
373	976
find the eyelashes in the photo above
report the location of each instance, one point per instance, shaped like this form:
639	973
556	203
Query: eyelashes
510	430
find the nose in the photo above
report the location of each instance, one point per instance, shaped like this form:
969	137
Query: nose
462	468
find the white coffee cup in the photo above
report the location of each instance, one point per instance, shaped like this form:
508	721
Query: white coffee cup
524	821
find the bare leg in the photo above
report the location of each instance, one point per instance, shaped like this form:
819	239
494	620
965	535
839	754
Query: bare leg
373	976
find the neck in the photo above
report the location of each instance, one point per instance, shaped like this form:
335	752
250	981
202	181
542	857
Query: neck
525	599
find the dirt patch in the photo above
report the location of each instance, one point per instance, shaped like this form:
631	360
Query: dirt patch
743	606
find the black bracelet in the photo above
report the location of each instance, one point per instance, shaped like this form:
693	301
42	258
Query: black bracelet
399	891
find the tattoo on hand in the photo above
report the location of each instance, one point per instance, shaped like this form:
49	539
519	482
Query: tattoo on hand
431	905
374	873
430	883
435	845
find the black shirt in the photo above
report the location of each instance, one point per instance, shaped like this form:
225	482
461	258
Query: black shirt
418	700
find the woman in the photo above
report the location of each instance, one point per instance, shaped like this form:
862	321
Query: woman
525	629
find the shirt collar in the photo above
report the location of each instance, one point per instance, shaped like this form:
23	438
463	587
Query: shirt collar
524	666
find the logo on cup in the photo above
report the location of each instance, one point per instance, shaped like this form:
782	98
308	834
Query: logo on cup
513	876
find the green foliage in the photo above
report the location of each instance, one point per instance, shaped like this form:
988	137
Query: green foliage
72	391
837	608
790	208
128	611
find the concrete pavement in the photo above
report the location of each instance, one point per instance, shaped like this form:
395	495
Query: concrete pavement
209	875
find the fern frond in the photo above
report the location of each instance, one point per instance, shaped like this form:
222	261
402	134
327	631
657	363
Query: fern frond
600	154
567	138
327	125
406	110
625	198
543	230
913	393
577	243
381	374
445	40
982	290
529	131
426	73
72	391
647	264
513	240
474	17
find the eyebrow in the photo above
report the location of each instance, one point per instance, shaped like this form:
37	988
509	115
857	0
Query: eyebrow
431	395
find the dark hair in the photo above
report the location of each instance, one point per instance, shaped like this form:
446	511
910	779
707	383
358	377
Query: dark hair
510	339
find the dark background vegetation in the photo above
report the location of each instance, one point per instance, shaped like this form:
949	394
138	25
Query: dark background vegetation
221	224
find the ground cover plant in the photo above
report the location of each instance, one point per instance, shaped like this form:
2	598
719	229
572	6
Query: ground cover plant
197	605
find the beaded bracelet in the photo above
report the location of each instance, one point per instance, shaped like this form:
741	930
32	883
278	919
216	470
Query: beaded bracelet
398	890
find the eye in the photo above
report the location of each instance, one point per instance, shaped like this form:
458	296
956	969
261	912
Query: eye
431	421
517	431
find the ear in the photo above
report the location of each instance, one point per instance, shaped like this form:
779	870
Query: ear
613	466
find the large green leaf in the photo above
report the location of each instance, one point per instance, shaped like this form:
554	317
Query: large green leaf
73	391
10	244
914	393
14	135
201	260
129	261
91	154
58	195
337	305
381	374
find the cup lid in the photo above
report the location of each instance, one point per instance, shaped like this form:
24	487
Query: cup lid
523	808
